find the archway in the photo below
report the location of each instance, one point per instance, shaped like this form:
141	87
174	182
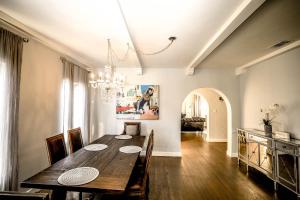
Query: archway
207	94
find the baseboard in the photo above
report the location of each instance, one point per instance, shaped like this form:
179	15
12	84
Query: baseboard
232	155
166	154
217	140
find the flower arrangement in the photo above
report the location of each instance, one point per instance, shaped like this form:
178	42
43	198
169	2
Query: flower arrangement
269	114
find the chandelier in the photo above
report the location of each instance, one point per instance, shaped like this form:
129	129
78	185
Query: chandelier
109	82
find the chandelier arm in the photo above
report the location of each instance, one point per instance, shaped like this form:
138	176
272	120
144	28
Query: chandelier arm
125	55
108	50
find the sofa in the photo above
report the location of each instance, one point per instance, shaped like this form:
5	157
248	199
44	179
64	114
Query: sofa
192	124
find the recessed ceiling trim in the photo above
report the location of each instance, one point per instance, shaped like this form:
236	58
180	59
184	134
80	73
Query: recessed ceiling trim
56	46
236	19
242	69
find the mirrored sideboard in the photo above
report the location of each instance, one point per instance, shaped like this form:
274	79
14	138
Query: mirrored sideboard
278	159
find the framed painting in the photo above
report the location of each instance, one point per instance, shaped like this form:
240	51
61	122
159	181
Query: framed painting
140	102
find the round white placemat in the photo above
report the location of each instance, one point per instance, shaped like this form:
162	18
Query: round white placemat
78	176
123	137
95	147
130	149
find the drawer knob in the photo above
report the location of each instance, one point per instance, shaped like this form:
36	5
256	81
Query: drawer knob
284	147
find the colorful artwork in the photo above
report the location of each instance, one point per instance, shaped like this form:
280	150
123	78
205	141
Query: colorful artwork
138	102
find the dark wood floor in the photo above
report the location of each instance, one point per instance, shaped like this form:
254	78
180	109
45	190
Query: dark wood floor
205	172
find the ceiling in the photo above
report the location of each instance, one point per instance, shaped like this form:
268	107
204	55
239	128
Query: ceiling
81	26
146	25
273	22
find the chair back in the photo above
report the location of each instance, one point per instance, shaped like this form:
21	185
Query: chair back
56	148
148	155
132	128
23	196
75	139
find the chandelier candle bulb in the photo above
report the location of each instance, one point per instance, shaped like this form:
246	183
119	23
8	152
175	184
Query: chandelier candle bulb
109	82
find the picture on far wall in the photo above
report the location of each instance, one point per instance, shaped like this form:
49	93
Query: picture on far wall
138	102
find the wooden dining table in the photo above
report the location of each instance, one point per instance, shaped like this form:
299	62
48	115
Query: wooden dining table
114	167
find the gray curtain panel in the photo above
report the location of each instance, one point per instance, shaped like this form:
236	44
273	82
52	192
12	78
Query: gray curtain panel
11	48
76	99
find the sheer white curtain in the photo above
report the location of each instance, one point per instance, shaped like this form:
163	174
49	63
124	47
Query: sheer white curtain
192	106
75	109
197	104
11	48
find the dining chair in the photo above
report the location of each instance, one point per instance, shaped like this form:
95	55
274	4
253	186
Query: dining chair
56	148
142	158
23	196
75	139
132	128
138	186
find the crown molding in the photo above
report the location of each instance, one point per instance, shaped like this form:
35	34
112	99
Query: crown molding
242	69
246	8
23	30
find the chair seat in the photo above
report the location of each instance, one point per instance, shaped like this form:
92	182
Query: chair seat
136	183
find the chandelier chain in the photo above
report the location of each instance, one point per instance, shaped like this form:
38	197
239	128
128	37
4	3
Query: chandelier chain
172	39
158	51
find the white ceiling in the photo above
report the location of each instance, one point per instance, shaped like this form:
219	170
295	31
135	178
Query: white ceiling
84	26
274	21
193	22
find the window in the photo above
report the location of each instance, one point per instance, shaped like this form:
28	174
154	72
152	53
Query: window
3	117
74	101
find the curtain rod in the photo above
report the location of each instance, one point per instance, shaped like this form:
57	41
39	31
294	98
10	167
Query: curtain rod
76	63
16	29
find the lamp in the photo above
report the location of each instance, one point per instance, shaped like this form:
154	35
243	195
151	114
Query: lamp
108	81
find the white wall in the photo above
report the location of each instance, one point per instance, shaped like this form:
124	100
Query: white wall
41	79
217	130
174	87
273	81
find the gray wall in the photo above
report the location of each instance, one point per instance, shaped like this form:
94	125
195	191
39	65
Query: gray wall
276	80
39	116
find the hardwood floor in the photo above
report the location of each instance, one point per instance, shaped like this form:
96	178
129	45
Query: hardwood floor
205	172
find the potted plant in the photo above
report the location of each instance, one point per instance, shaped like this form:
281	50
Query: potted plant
267	124
267	119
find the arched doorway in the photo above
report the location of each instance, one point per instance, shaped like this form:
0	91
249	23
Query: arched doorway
219	116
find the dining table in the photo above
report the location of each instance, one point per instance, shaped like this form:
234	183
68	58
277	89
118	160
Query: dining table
114	167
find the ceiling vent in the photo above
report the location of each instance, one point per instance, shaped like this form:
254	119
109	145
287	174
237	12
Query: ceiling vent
280	44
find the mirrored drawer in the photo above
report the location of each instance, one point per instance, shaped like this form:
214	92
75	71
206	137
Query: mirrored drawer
262	140
286	147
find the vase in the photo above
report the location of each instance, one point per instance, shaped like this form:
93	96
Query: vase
268	130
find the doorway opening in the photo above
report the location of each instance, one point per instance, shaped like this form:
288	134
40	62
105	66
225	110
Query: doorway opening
206	113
